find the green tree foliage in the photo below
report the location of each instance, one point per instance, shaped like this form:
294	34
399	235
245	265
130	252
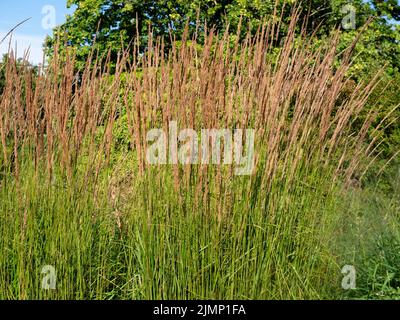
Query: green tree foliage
113	24
2	77
391	8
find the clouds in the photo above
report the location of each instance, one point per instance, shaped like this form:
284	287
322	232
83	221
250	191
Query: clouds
23	42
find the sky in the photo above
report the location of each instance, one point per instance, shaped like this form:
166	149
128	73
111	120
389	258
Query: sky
44	15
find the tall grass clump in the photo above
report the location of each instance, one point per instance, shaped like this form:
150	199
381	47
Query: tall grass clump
77	193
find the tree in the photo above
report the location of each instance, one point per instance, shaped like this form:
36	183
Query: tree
112	24
390	8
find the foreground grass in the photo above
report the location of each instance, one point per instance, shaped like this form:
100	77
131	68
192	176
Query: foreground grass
145	241
141	239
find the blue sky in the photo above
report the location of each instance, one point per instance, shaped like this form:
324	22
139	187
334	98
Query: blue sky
32	33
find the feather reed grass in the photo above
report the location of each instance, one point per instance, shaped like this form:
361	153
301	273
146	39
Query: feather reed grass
77	193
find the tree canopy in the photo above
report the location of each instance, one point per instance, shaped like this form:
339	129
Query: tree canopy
113	24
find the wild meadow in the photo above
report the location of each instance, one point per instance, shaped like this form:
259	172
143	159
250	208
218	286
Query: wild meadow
78	194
